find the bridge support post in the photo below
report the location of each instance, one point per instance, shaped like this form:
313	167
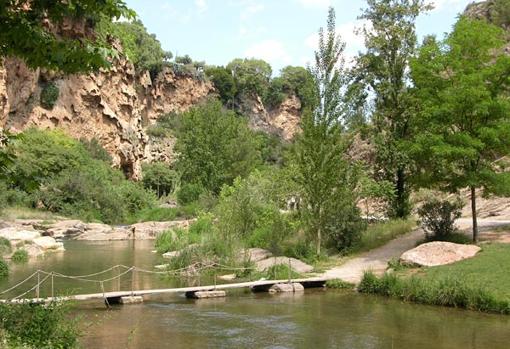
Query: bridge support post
37	294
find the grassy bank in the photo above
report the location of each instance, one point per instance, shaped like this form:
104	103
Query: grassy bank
481	283
379	234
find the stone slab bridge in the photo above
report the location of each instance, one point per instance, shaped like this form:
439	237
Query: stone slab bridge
136	296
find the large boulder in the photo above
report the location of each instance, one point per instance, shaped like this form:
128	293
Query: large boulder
283	288
295	264
255	254
436	253
150	230
14	234
48	243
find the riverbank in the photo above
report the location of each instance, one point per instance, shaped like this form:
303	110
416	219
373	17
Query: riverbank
481	283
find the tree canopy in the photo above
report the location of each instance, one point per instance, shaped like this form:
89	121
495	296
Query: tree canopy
464	120
30	31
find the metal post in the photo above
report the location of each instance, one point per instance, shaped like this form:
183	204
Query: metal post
38	285
52	289
118	278
132	280
289	270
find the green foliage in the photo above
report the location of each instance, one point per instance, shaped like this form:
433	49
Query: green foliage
379	234
281	272
24	34
438	218
248	212
159	178
215	146
96	150
5	246
292	80
252	76
4	269
141	48
186	59
500	12
463	124
326	180
449	292
167	125
165	242
41	326
224	82
391	41
339	284
20	256
188	193
49	95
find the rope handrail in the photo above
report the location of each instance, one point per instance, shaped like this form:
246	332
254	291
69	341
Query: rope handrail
196	267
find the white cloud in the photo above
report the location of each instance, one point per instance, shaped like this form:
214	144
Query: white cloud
269	50
315	3
201	5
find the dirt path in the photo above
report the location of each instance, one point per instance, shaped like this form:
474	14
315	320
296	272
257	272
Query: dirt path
377	259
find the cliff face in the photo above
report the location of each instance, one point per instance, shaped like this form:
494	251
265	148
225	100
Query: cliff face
114	106
282	121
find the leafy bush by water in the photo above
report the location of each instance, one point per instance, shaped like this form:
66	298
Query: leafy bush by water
38	326
4	269
20	256
49	95
438	218
281	272
5	246
339	284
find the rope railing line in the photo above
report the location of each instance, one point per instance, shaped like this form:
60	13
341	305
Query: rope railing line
33	288
19	283
196	267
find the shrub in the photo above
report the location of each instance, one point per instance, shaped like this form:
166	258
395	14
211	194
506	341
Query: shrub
4	269
438	217
188	193
281	272
49	95
159	178
43	326
164	242
20	256
96	150
339	284
5	246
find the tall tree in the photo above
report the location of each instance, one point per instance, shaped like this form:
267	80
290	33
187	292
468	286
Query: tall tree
325	177
464	124
390	40
29	29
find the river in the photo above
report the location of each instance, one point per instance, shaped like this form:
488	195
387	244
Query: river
315	319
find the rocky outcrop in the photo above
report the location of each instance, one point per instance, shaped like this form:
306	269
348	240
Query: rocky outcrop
78	230
295	264
284	288
114	106
31	241
438	253
282	121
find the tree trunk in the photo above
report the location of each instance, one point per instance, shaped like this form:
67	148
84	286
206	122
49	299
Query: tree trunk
473	213
401	204
319	238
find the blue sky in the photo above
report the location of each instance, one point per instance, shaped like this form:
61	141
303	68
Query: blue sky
282	32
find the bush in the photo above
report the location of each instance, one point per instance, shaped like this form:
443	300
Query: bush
20	256
188	193
49	95
5	246
281	272
41	326
159	178
339	284
164	242
4	269
438	217
96	150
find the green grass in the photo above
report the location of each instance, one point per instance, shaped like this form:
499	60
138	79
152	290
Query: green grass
379	234
481	283
281	272
488	269
5	246
12	213
339	284
4	269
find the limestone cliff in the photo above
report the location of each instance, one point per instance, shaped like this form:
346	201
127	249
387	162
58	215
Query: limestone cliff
283	120
114	106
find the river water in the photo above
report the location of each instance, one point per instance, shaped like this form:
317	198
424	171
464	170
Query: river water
315	319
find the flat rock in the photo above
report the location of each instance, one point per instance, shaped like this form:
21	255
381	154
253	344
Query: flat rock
438	253
255	254
228	277
14	234
295	264
149	230
207	294
48	243
283	288
131	300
